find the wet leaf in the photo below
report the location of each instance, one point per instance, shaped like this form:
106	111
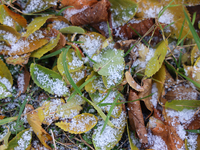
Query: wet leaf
72	30
34	122
46	48
79	124
35	25
156	61
179	105
122	11
136	120
25	135
100	9
49	80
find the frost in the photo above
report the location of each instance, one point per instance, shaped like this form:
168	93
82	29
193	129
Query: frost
24	141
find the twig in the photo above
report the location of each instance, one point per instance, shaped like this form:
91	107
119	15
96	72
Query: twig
54	143
86	142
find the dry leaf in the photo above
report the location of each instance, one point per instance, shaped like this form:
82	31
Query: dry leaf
78	4
132	82
34	122
136	117
142	27
93	14
23	81
147	85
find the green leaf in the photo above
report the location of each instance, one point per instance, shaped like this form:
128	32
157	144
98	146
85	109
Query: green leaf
122	11
36	24
7	120
110	136
48	80
179	105
194	131
72	30
109	62
41	51
5	72
25	136
5	140
156	61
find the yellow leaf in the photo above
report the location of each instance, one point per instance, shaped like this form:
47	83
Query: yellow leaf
20	60
195	53
5	140
156	61
36	24
41	51
5	73
79	124
34	122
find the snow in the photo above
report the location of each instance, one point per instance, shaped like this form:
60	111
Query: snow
80	125
91	44
70	12
192	141
76	62
24	141
55	85
59	24
8	21
109	134
21	82
6	82
154	98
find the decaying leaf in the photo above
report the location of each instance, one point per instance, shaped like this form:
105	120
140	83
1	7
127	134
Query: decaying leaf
79	124
136	120
34	122
100	9
20	60
23	81
132	82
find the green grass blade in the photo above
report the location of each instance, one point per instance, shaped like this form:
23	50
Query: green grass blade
103	116
193	131
59	13
195	35
71	81
109	113
82	86
52	54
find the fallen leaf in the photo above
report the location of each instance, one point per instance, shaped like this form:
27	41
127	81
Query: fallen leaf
93	14
5	72
20	60
195	123
156	61
34	122
147	85
23	81
78	4
132	82
4	139
136	120
79	124
126	31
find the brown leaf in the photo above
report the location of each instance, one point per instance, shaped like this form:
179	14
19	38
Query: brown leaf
147	85
93	14
23	81
78	4
142	27
61	43
17	17
181	91
132	82
195	123
136	120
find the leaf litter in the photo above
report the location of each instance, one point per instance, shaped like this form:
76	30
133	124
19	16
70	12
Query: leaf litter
129	64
